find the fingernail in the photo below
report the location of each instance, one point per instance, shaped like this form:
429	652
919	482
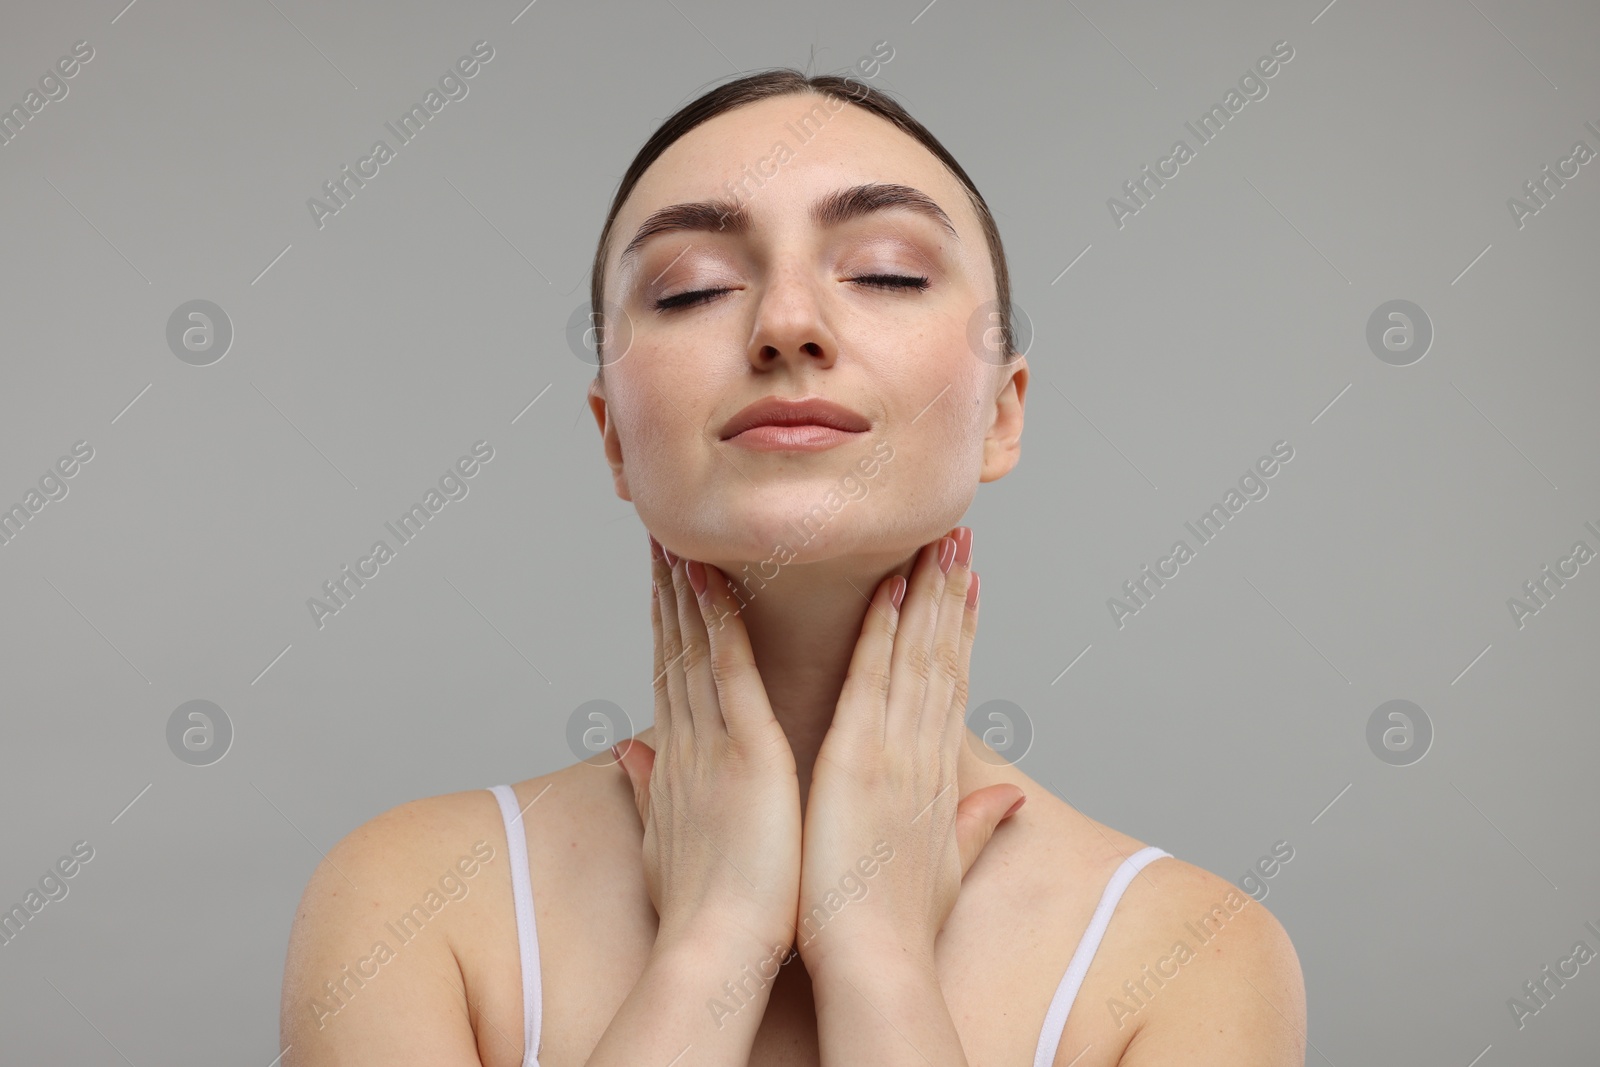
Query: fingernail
964	546
898	593
655	546
697	576
1012	810
615	754
947	553
972	591
672	561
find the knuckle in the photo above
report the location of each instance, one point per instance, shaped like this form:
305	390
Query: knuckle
920	662
724	670
948	660
694	653
871	681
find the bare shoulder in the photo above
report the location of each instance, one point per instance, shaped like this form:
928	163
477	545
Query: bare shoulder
1190	968
1199	972
371	974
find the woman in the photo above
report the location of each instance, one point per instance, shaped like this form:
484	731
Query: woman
808	858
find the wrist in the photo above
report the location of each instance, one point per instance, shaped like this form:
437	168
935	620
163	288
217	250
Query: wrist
716	954
864	960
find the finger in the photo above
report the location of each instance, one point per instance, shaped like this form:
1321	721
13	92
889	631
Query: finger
911	663
956	723
977	816
947	681
731	661
658	676
705	709
671	675
637	759
864	698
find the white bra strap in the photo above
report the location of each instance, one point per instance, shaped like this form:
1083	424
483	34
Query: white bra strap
1055	1020
527	932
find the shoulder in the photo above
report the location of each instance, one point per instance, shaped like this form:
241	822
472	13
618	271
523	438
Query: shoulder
1202	973
400	884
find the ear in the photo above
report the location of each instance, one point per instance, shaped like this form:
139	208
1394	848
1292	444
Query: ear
1002	447
608	437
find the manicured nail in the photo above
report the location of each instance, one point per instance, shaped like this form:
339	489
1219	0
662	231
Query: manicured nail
615	755
697	576
897	592
672	561
964	545
972	591
947	553
655	546
1012	810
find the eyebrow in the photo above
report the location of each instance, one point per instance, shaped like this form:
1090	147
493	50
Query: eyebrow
834	209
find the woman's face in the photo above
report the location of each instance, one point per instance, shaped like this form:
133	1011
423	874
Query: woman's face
790	316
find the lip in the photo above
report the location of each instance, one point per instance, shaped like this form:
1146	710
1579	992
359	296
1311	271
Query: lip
804	412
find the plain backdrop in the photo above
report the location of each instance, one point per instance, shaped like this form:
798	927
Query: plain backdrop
1170	350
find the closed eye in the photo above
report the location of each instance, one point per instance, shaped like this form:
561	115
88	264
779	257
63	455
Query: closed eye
877	281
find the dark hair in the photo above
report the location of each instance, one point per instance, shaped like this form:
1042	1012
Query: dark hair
786	81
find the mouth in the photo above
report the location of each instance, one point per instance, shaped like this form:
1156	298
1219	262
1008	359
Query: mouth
812	419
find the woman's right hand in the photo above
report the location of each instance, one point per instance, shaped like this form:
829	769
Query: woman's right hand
719	796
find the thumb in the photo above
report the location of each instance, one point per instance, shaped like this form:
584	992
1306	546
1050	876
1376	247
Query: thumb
979	812
637	759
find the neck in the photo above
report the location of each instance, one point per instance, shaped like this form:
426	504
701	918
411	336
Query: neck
803	626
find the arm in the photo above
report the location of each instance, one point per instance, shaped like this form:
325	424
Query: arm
353	993
890	1012
1243	1005
681	1004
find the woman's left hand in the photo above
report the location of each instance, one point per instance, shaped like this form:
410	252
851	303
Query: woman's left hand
886	839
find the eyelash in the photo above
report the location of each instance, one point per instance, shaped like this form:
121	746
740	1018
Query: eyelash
879	281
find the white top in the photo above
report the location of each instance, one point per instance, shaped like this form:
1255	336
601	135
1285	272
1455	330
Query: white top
1055	1020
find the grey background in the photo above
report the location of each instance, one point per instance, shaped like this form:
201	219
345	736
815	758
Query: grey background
1228	314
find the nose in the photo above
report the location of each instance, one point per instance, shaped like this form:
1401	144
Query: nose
791	323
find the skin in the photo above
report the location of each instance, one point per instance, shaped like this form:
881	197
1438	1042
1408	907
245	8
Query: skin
798	729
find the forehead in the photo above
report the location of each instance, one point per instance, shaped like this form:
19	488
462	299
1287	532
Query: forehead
776	156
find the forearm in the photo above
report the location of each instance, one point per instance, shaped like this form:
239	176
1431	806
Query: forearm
892	1014
707	997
